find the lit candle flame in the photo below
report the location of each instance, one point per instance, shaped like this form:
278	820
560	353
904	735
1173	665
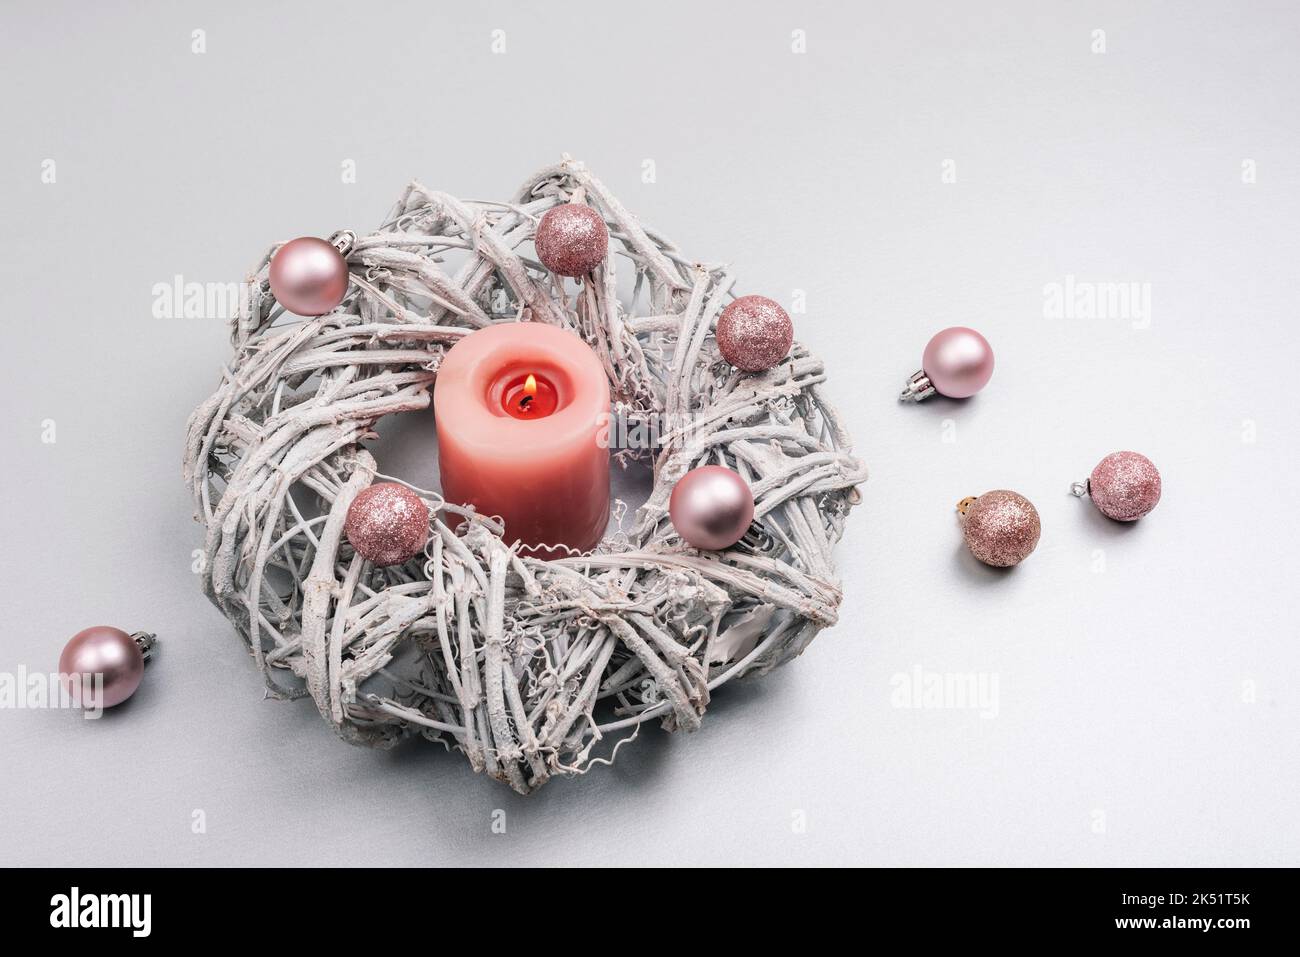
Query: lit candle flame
530	385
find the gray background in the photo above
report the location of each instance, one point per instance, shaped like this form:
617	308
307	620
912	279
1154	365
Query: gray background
1147	711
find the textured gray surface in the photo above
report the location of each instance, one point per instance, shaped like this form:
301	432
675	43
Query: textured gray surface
1146	713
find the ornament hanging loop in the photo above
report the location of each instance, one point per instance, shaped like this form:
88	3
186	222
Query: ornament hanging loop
918	387
147	642
757	540
345	240
1078	489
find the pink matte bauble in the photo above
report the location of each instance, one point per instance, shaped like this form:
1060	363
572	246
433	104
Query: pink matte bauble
309	277
1125	486
711	507
571	240
105	651
958	362
387	523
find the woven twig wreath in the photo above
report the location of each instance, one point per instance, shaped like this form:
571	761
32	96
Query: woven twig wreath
533	668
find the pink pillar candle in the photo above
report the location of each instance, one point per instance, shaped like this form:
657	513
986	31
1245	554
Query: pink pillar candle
519	408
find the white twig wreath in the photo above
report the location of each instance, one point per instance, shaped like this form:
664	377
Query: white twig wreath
532	668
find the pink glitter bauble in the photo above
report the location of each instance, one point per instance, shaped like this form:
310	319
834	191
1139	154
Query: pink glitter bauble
105	651
958	362
754	333
309	276
1001	528
1124	486
571	240
711	507
387	523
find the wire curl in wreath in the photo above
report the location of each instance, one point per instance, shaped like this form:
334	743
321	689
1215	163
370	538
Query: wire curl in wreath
531	668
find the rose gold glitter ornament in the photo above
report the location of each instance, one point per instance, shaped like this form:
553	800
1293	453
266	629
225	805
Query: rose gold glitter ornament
1001	528
571	240
754	333
309	276
1124	486
387	523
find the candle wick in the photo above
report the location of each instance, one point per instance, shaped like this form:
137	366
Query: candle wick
523	403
